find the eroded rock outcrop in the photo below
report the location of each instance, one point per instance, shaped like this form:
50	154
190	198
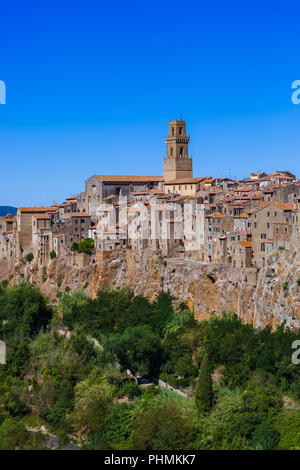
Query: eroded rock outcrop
265	297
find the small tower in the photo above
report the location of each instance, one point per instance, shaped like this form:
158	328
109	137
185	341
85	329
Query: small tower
177	164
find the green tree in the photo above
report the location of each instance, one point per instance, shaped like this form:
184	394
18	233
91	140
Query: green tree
265	436
86	245
162	428
13	435
24	312
186	367
138	349
203	395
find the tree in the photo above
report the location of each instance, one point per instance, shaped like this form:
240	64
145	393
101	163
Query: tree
203	395
138	349
24	311
52	254
186	367
162	428
13	435
86	245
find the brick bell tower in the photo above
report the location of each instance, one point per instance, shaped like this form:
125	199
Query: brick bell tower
177	164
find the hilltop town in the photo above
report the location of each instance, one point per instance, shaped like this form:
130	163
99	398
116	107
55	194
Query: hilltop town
211	221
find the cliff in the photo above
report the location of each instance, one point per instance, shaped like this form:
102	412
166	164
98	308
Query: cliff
265	297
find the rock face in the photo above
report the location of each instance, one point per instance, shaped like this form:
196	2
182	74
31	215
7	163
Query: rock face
266	297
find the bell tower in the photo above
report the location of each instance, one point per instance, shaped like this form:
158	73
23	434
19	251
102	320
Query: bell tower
177	164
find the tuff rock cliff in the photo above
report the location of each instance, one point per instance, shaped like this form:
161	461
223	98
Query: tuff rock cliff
267	296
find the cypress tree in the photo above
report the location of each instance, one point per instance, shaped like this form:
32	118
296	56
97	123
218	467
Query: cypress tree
203	395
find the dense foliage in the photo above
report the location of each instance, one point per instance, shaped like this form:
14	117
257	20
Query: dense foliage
71	367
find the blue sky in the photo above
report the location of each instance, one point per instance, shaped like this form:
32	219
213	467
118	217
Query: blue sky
91	86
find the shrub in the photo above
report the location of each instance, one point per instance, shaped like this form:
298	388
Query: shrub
29	257
116	424
52	254
131	390
265	436
186	367
288	425
86	245
285	285
175	382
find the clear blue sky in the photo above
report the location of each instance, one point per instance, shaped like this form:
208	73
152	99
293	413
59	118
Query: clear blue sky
91	86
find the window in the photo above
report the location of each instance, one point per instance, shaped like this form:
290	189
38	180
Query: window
268	225
263	236
263	247
172	130
181	151
268	214
180	130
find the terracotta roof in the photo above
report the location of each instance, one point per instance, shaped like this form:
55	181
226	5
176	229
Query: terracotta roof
246	244
41	216
139	193
182	181
34	209
128	179
156	191
280	205
78	214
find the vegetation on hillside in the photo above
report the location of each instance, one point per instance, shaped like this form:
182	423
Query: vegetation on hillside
66	370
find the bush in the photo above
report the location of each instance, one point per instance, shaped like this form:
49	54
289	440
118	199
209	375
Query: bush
285	286
265	436
29	257
175	382
86	246
162	428
131	390
116	424
52	254
186	367
288	425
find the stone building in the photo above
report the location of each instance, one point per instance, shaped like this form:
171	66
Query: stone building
262	223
